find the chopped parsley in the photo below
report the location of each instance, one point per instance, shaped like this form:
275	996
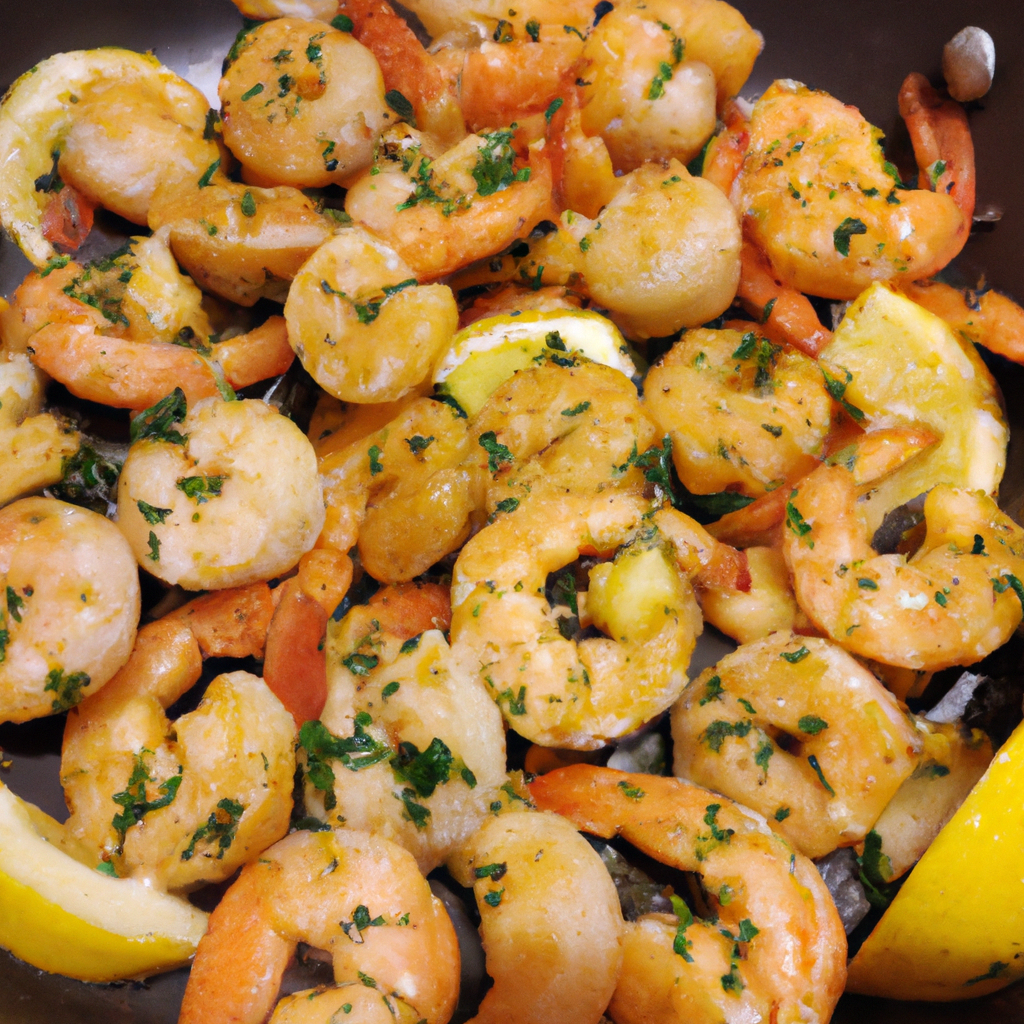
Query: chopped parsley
68	688
795	656
154	547
493	898
424	770
712	691
201	488
401	106
248	204
812	725
497	452
634	793
210	171
493	171
355	752
133	801
414	812
837	389
681	945
495	872
157	422
220	827
418	443
718	731
376	466
813	762
842	234
151	514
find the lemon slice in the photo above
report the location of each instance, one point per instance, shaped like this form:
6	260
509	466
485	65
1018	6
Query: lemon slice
956	928
34	118
909	366
489	351
64	917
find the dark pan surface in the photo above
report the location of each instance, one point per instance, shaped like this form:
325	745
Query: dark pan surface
860	51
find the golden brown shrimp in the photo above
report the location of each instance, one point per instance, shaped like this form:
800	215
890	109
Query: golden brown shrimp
241	242
553	690
773	947
354	895
121	123
550	920
954	601
361	325
818	199
742	414
559	428
402	492
71	609
408	746
796	729
303	104
220	495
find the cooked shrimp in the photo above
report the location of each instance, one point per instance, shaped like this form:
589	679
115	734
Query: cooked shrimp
564	428
819	200
441	214
361	325
954	601
407	68
354	895
586	182
35	443
408	746
986	318
121	123
650	73
68	620
222	495
324	10
241	242
482	17
953	760
553	690
796	729
549	920
303	104
512	299
184	811
773	946
663	255
403	492
742	414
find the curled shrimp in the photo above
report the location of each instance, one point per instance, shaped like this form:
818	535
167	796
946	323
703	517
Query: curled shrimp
402	492
359	322
241	242
352	894
564	428
742	414
773	947
303	104
35	442
71	609
415	746
220	495
553	690
185	803
121	124
951	603
655	72
796	729
549	919
472	201
819	200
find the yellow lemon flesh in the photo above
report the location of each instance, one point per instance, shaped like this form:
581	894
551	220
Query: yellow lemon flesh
956	928
62	916
489	351
906	365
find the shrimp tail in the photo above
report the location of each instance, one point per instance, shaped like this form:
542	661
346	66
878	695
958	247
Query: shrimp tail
67	219
942	143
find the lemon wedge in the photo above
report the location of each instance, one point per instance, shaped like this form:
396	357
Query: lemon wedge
35	116
956	928
62	916
906	366
489	351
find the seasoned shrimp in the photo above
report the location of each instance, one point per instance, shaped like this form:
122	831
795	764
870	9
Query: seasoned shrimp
242	243
553	690
359	322
549	920
564	428
72	603
482	17
35	442
231	497
303	104
818	198
773	946
954	601
441	214
409	745
354	895
185	803
796	729
120	123
655	72
402	492
742	414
